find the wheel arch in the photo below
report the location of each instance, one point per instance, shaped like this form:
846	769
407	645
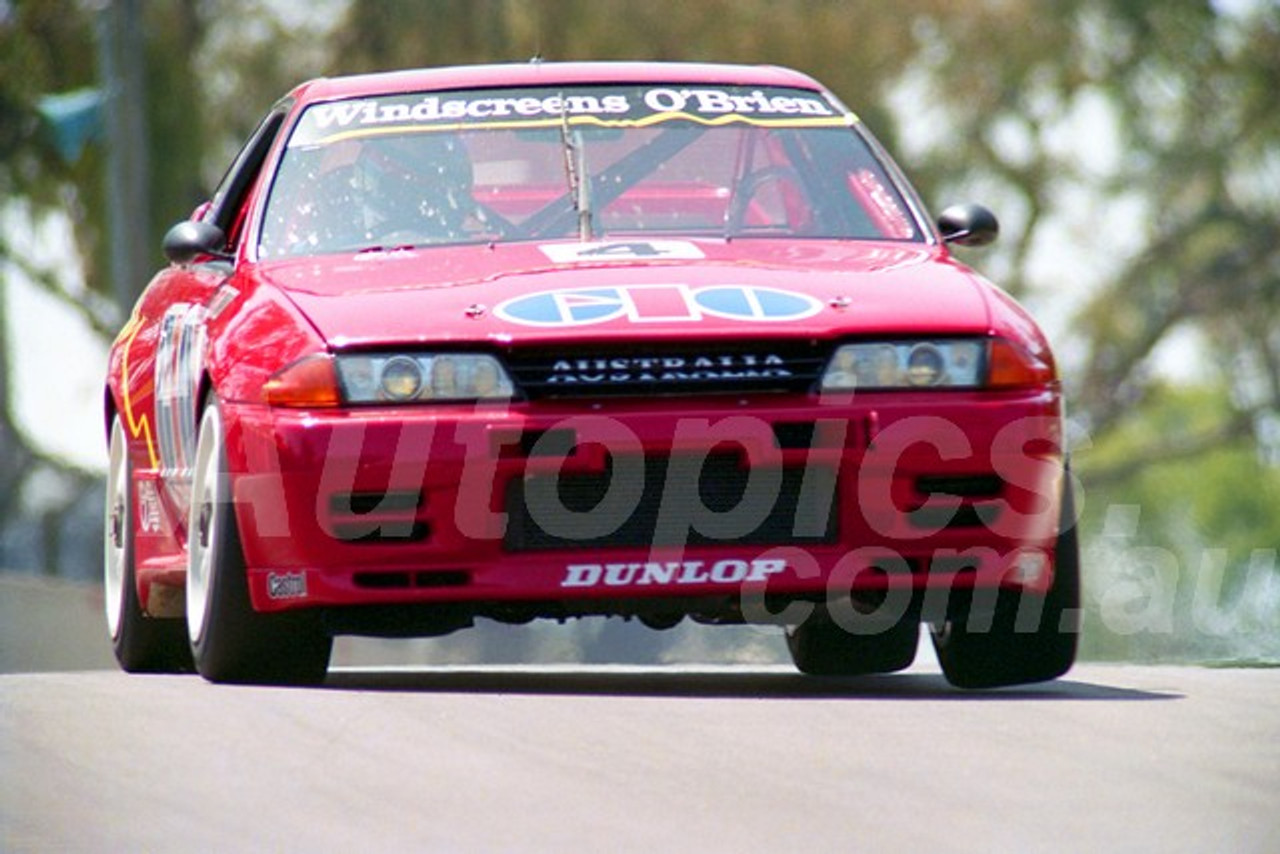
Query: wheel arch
110	409
204	388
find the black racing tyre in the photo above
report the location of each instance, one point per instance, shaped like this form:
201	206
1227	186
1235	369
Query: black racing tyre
142	644
821	647
1014	651
230	641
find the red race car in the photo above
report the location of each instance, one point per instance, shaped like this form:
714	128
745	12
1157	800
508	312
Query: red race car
559	340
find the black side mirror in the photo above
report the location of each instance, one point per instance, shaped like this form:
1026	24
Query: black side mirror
190	240
968	225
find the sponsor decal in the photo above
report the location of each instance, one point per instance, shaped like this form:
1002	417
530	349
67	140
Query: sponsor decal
612	106
641	250
287	585
433	108
667	573
669	369
657	304
148	507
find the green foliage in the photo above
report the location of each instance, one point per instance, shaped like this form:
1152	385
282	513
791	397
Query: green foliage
856	49
42	51
176	113
1182	561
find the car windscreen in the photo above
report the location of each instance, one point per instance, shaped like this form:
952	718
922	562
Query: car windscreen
594	162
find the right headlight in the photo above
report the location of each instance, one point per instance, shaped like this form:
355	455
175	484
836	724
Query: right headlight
934	363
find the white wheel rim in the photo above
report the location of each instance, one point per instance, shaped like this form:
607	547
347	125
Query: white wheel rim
204	521
117	530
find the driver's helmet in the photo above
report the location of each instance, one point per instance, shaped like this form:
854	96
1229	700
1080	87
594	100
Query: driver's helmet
419	184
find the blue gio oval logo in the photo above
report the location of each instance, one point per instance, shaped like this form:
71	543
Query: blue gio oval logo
657	304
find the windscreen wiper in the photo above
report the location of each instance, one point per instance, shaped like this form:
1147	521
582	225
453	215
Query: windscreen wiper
614	180
577	174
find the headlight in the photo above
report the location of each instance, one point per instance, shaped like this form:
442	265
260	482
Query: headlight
422	377
907	364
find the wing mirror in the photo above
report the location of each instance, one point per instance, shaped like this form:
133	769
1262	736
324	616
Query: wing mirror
189	240
968	225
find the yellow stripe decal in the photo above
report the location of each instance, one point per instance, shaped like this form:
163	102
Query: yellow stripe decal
137	426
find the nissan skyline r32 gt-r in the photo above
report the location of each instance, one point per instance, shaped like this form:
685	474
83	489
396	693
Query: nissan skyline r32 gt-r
556	340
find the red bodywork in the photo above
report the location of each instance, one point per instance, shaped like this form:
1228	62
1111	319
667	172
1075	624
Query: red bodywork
414	504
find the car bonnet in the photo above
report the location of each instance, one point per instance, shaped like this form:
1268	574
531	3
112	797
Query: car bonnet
655	289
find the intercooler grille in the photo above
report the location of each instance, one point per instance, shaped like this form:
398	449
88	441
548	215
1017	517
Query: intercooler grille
672	501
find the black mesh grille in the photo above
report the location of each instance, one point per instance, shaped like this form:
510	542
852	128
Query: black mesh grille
638	502
682	368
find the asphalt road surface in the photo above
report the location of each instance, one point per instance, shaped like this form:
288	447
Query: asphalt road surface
674	759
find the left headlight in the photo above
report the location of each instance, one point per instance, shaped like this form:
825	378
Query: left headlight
906	364
422	377
323	381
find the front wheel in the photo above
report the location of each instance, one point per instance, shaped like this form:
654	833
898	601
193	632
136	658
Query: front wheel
142	644
821	647
1009	652
230	641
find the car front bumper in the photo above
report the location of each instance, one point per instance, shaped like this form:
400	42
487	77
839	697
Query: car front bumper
583	507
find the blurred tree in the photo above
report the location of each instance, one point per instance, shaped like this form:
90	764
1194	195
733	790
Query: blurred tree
1163	115
1183	553
1132	148
52	165
1142	139
42	51
857	49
